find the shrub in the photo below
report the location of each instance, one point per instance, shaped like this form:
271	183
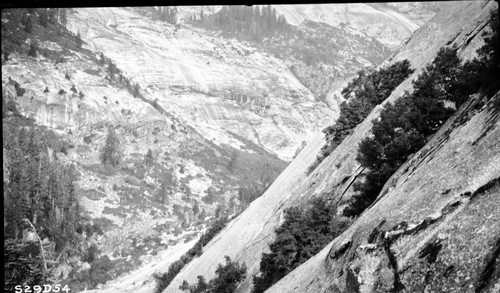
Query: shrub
100	270
303	234
33	49
227	278
163	280
28	27
91	253
136	90
91	229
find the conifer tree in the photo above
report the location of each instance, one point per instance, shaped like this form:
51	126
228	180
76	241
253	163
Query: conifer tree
78	40
148	158
64	17
196	208
43	18
52	15
110	153
28	27
232	161
33	49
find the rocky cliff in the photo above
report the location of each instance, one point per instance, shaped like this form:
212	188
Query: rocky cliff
437	217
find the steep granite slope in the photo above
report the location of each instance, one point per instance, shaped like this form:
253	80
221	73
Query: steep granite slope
248	235
435	227
211	82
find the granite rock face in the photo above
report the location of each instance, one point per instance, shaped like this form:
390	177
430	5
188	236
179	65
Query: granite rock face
389	23
436	216
209	81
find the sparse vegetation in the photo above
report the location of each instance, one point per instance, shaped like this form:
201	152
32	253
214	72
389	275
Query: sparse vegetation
163	280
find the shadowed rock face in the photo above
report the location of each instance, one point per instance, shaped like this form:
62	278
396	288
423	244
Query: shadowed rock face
429	209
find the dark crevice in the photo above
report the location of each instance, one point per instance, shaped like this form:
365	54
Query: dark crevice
448	271
486	187
352	285
376	232
422	226
489	269
341	250
397	285
488	129
451	207
356	174
491	122
431	251
466	194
